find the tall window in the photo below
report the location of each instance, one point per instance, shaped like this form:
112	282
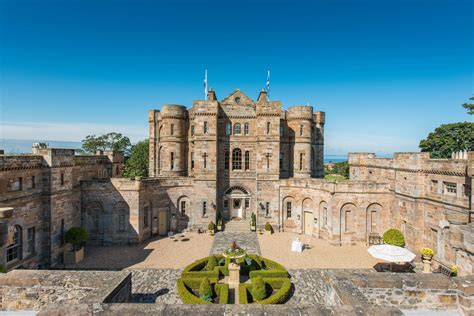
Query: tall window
172	130
236	159
14	248
247	160
172	161
183	207
121	224
226	160
301	161
228	129
62	178
192	160
205	128
282	131
288	209
246	128
237	130
347	220
268	128
31	233
63	232
325	216
204	162
373	221
18	184
267	209
33	182
281	161
204	208
145	216
192	130
301	130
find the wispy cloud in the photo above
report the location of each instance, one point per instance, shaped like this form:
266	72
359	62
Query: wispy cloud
68	131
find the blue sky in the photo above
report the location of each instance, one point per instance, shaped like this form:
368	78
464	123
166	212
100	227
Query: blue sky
385	72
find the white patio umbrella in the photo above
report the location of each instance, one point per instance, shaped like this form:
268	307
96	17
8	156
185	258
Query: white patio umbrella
391	254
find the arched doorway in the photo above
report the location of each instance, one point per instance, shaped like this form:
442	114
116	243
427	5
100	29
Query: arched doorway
236	202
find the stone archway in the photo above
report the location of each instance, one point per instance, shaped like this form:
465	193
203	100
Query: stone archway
236	202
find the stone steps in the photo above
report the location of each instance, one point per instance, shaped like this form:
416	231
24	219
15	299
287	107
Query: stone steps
237	226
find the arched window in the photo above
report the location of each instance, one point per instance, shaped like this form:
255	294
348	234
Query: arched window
228	129
246	128
301	161
247	160
237	129
14	249
236	159
171	161
226	160
281	161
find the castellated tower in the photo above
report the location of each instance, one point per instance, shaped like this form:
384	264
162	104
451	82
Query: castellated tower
317	144
300	122
168	141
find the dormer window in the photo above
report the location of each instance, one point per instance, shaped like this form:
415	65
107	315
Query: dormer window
237	129
237	100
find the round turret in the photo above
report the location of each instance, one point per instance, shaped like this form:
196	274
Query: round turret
172	145
300	122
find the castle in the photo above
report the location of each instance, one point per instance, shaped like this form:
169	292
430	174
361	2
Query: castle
226	160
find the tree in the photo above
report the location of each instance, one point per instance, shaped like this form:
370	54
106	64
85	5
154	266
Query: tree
109	141
449	138
469	106
137	164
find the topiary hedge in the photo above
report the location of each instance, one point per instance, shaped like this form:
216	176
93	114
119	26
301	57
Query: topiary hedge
259	292
273	275
394	237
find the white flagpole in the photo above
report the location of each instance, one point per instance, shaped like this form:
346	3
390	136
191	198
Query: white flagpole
267	87
205	85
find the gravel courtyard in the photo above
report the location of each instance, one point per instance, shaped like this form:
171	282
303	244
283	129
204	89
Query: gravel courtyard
321	255
160	253
172	253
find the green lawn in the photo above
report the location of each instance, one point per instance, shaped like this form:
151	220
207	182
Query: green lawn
334	177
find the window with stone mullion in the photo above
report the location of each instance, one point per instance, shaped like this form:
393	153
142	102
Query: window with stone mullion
236	159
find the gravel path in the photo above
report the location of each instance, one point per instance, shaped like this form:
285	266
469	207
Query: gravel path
321	255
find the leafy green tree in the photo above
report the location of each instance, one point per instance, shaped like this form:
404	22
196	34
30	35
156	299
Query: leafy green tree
469	106
340	168
137	164
109	141
449	138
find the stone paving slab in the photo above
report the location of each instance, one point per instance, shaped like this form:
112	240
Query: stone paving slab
247	241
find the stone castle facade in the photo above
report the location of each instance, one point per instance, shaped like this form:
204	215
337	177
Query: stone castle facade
231	158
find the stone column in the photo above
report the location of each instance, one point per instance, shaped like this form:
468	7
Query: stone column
234	274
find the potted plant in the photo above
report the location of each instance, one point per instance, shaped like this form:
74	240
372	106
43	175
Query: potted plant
253	222
427	255
268	229
76	237
212	228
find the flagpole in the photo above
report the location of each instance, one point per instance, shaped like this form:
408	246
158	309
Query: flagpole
267	87
205	85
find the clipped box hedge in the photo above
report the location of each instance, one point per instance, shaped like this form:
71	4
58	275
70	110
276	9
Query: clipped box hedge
185	286
281	295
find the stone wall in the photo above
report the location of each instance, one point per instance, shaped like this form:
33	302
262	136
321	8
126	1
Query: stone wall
431	201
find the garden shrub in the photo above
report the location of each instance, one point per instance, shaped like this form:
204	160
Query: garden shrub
211	226
205	290
243	293
394	237
223	292
185	293
259	291
211	263
428	252
3	269
76	236
268	227
282	294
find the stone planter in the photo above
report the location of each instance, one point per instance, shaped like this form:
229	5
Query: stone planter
73	257
253	228
211	232
268	232
426	263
